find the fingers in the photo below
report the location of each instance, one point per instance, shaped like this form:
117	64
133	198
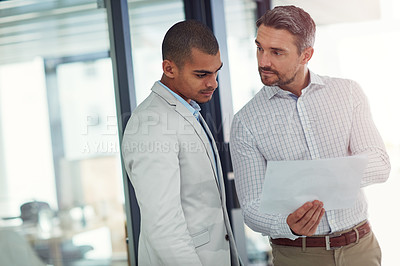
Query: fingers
305	220
314	217
302	211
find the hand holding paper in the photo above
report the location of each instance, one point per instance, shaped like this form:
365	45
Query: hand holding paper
290	184
305	220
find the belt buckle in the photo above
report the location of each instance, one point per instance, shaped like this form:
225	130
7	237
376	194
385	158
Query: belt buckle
328	241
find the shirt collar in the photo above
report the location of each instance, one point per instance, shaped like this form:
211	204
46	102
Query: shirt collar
193	107
271	91
315	79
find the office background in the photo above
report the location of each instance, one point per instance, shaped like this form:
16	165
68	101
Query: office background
72	71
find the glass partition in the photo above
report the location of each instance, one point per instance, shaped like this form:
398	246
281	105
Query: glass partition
240	16
149	21
61	196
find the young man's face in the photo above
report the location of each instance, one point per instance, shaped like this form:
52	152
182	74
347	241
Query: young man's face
278	59
197	78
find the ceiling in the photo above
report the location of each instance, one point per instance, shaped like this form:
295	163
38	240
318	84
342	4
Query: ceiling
57	28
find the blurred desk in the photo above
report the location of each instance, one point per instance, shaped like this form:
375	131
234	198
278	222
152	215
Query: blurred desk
59	246
56	246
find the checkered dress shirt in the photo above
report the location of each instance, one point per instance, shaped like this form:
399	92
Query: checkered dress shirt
330	119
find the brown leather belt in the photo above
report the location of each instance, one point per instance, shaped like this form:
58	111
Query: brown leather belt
329	241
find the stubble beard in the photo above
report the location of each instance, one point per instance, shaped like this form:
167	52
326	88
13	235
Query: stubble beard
281	81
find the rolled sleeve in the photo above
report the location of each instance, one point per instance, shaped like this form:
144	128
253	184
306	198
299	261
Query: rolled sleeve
365	139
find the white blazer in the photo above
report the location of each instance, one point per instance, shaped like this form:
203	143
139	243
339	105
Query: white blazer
170	163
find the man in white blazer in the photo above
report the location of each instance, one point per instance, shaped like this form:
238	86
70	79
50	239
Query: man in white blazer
172	160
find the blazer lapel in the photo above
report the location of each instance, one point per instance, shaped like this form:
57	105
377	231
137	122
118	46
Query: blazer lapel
188	116
201	131
217	168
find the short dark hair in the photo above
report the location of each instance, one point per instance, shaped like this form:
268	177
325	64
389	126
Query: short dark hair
185	35
293	19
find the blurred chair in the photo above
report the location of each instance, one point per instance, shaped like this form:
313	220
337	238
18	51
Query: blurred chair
16	251
44	249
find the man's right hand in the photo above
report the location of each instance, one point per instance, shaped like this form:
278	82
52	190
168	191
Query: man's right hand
305	220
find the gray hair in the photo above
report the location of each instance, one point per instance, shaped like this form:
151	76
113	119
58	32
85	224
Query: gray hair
293	19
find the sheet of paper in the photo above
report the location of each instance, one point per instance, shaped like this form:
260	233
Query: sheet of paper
290	184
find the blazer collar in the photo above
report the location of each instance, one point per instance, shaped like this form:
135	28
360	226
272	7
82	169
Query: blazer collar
163	93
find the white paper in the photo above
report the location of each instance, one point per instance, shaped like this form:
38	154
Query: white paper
290	184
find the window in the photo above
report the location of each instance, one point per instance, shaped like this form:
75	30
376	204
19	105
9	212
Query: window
149	22
60	170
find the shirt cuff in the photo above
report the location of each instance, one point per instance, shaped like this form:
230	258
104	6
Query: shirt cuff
285	229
